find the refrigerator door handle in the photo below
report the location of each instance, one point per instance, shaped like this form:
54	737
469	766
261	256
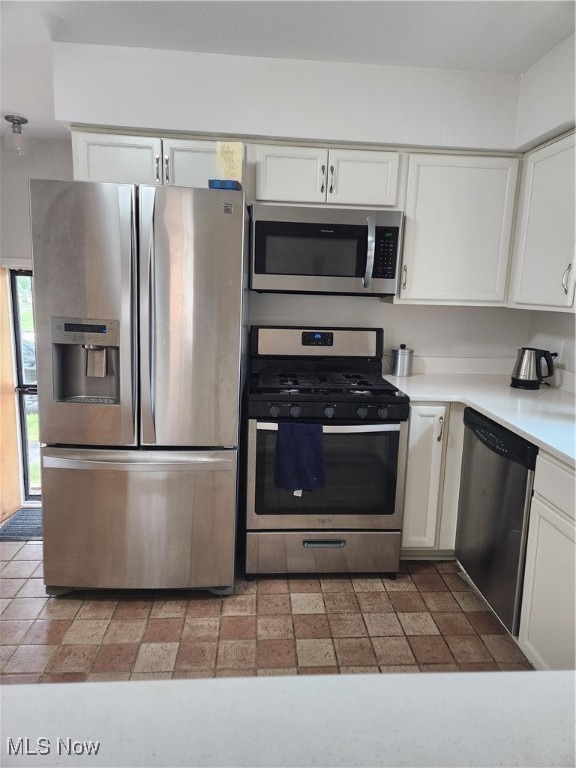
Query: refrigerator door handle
201	464
147	314
129	373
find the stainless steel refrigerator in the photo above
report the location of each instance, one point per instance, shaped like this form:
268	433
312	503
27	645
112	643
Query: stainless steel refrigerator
139	298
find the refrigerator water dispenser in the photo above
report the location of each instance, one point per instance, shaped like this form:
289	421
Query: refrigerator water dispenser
86	360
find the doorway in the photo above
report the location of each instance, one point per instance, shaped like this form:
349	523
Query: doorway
26	381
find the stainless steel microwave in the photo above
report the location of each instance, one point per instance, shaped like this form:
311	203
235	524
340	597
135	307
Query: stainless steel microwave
300	249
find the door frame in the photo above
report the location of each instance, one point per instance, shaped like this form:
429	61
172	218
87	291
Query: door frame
22	389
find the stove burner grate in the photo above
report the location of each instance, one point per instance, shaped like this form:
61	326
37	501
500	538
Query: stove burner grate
331	383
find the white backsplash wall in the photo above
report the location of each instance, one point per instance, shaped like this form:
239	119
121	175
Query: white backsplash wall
444	339
545	331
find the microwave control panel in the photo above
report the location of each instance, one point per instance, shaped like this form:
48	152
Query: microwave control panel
385	252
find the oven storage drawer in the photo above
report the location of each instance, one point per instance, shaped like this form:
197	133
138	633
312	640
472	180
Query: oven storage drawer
323	552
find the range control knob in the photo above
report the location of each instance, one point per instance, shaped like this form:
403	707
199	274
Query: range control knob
383	412
275	410
329	411
362	411
295	411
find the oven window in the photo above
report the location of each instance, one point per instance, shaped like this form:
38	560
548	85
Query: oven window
309	249
361	473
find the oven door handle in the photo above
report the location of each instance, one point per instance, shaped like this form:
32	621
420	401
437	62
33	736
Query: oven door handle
332	429
367	280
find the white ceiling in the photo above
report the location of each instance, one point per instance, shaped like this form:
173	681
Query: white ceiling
489	36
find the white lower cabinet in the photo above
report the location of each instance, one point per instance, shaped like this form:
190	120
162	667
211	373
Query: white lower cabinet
548	617
424	475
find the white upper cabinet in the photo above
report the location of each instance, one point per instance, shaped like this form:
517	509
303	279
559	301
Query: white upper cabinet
189	163
143	160
120	159
293	174
316	175
459	211
358	177
543	263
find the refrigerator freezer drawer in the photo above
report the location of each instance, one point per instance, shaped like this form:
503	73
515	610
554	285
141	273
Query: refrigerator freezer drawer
138	519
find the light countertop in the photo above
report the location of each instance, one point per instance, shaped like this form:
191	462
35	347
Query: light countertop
545	417
472	719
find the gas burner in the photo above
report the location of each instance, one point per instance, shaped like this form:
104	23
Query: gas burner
356	381
313	387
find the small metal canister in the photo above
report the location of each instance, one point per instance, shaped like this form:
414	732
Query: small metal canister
402	361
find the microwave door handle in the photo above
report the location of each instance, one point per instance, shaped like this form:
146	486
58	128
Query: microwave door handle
367	281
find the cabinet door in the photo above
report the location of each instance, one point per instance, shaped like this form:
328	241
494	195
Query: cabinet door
544	276
120	159
291	174
458	227
189	163
423	475
362	178
547	621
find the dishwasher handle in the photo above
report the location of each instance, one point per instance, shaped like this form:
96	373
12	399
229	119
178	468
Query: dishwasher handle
500	440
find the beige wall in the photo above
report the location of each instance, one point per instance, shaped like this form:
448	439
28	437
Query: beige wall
49	160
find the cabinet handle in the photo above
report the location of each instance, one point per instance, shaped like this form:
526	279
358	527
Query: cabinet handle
157	168
565	278
323	187
331	179
405	269
166	169
439	438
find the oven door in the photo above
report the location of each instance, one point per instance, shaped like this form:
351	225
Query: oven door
365	469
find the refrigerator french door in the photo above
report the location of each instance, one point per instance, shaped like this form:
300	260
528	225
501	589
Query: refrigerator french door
139	300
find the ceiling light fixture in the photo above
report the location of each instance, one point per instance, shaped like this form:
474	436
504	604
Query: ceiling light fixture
14	140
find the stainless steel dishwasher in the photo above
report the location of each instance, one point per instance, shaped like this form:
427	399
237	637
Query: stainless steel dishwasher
493	511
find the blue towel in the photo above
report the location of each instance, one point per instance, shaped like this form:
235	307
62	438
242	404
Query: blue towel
299	457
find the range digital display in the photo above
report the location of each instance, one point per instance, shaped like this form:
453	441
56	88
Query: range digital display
317	339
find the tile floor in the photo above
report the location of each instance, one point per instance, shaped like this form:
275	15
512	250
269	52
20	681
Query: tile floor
429	619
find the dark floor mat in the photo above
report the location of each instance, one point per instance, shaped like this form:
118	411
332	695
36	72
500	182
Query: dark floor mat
23	525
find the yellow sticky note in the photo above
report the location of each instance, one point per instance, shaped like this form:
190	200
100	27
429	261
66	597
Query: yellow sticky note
229	156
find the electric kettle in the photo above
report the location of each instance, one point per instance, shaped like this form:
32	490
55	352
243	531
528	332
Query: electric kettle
527	373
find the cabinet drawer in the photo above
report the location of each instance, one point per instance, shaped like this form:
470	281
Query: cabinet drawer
556	482
322	552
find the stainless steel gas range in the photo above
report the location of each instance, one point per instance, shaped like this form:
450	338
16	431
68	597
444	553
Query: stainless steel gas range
327	438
